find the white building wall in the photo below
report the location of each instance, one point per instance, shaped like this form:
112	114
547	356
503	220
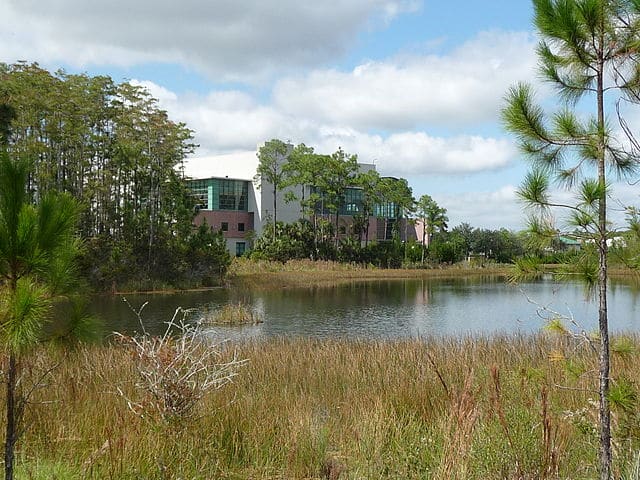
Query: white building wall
287	212
255	206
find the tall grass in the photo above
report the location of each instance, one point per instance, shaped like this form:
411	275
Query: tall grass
305	273
231	314
501	408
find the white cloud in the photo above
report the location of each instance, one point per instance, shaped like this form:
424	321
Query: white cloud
502	208
460	88
226	39
163	95
239	165
485	209
224	121
417	153
232	121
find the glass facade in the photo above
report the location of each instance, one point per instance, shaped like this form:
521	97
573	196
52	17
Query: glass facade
200	191
353	205
386	210
233	195
352	202
221	194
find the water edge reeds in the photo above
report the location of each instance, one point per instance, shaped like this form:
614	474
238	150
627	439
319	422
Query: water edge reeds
301	408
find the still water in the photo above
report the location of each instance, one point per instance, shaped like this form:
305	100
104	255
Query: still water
386	309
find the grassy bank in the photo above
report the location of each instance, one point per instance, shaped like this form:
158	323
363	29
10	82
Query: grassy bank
305	273
504	408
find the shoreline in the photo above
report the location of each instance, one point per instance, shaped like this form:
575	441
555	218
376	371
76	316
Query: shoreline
306	274
323	278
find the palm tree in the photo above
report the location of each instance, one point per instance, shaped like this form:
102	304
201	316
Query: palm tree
37	266
433	218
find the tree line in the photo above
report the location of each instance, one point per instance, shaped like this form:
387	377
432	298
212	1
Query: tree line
112	148
323	183
329	185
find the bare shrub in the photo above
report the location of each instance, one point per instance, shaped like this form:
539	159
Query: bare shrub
175	370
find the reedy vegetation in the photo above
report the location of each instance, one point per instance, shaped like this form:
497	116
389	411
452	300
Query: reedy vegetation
442	409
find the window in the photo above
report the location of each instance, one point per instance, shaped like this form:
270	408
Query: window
240	248
200	193
220	194
343	230
231	194
388	234
386	210
241	227
225	226
352	201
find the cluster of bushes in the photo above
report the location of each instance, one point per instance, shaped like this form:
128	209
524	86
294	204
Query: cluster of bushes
199	259
296	241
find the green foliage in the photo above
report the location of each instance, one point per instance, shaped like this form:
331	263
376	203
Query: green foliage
433	218
39	469
74	324
388	254
207	256
272	158
623	395
37	266
38	253
116	153
588	51
481	245
584	266
527	267
24	309
624	347
338	175
625	248
397	192
291	241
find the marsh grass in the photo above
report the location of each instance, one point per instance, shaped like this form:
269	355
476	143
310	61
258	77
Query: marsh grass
306	409
305	273
231	314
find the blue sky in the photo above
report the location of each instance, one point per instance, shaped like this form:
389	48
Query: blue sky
414	86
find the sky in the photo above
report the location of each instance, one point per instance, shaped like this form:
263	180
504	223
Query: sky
413	86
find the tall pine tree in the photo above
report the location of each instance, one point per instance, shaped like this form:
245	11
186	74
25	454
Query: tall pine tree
586	53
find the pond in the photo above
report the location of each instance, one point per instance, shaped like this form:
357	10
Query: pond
385	309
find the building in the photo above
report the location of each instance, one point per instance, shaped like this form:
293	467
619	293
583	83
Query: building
229	205
230	198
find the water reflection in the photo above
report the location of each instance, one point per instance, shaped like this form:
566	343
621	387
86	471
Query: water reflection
386	309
